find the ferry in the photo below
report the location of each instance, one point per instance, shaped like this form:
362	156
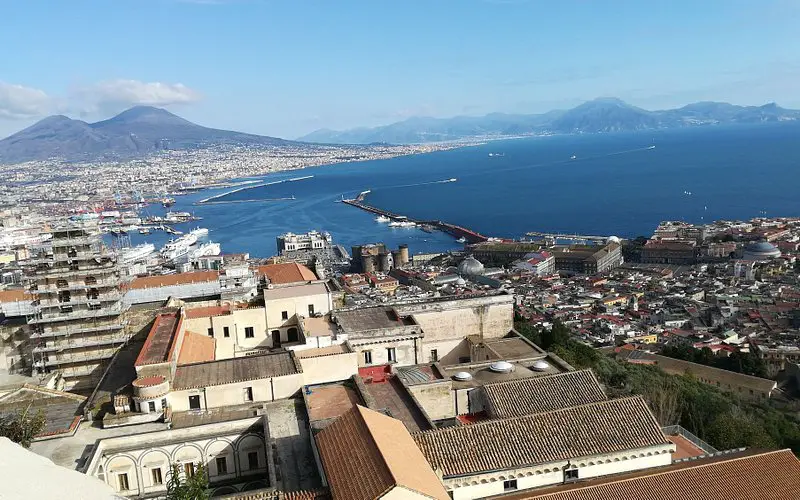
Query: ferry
403	223
179	247
382	219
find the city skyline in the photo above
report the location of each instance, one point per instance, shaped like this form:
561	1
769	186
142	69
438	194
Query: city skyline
258	66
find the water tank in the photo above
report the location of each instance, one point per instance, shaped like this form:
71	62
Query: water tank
501	367
462	376
540	366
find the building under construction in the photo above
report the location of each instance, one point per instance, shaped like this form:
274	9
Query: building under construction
76	290
376	257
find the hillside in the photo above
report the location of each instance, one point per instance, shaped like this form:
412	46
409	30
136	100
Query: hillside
599	115
133	132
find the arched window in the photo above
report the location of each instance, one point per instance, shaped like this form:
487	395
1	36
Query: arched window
291	333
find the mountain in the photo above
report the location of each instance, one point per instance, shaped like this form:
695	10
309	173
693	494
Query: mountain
606	114
134	132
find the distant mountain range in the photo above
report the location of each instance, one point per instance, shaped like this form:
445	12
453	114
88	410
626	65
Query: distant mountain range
599	115
135	132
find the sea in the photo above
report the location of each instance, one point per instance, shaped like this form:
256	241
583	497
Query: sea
595	184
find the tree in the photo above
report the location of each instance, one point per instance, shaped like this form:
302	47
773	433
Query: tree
23	426
180	487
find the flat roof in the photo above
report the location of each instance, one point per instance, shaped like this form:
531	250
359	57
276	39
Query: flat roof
370	318
391	396
316	352
61	409
207	312
288	272
228	371
160	341
288	292
509	347
318	327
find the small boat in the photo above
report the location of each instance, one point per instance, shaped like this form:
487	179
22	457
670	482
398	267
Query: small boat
144	230
453	179
573	157
382	219
652	147
461	240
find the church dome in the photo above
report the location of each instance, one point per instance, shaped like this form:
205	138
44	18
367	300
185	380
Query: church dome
470	267
760	250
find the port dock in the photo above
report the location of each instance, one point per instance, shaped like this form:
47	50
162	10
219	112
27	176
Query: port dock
576	238
451	229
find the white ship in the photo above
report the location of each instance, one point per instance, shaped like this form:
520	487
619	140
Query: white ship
404	223
137	253
204	249
382	219
179	247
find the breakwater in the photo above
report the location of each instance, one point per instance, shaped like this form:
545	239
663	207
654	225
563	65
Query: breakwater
454	230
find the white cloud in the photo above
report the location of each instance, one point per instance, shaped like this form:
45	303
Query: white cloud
20	103
116	95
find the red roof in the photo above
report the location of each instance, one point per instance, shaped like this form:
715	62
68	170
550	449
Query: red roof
160	344
289	272
207	312
174	279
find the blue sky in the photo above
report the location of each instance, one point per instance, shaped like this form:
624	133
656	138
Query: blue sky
286	68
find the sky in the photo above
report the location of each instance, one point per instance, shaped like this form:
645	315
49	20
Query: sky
286	68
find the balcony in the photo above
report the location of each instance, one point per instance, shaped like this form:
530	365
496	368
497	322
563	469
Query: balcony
76	285
65	272
80	300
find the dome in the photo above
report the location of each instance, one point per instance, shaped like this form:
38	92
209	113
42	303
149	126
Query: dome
462	376
540	366
760	250
470	267
501	367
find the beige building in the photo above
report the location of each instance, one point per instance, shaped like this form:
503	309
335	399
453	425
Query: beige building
286	306
237	331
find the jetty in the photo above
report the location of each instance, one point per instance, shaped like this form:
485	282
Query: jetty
454	230
578	238
216	197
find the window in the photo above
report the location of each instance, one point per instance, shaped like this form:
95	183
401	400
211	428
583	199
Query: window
156	475
291	335
252	460
284	315
222	465
367	357
510	485
434	355
163	403
194	402
249	333
248	393
391	355
151	406
94	307
188	469
226	332
122	479
311	309
571	475
210	332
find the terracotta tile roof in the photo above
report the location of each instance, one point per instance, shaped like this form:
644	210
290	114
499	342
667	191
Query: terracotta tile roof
516	398
581	431
196	348
207	312
228	371
13	296
774	475
365	454
174	279
160	343
290	272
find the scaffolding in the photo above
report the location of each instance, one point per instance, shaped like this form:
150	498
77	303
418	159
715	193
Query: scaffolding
78	318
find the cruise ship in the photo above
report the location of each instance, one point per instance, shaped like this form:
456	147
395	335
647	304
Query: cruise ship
137	253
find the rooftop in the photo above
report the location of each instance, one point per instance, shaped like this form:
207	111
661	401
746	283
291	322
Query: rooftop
290	272
228	371
289	292
174	279
159	346
316	352
196	348
541	394
330	401
206	312
318	327
391	396
508	347
61	409
581	431
370	318
365	454
772	475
